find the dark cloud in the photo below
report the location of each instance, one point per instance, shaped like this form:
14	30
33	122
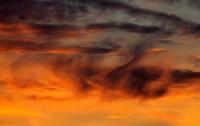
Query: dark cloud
138	52
166	42
131	80
195	30
179	76
127	27
137	82
194	3
134	80
73	11
53	29
47	47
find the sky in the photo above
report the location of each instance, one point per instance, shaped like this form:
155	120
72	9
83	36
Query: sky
99	62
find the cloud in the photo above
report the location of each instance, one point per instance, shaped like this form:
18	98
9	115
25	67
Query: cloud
25	47
81	76
35	42
127	27
181	76
80	12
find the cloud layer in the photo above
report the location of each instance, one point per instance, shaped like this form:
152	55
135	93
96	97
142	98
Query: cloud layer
101	46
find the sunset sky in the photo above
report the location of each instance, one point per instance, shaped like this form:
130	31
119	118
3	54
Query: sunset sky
99	62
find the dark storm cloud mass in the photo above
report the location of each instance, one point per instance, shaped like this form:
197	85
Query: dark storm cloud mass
50	21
